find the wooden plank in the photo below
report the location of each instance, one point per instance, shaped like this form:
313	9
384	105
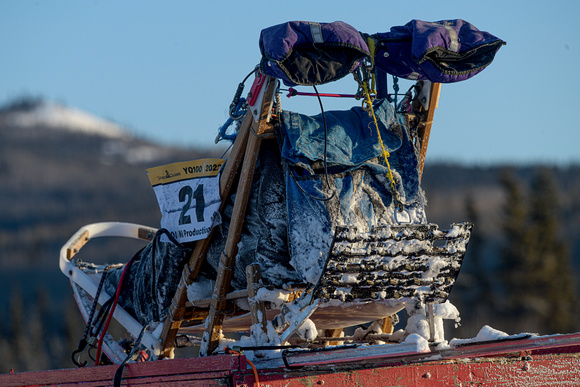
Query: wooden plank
211	337
206	302
546	361
266	108
538	370
191	270
78	245
388	326
257	308
227	260
333	333
426	131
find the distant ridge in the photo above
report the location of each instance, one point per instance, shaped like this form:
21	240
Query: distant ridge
57	116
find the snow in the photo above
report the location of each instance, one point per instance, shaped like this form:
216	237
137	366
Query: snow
342	293
258	338
294	314
486	333
349	278
420	341
67	118
446	311
134	154
417	322
435	266
275	297
307	330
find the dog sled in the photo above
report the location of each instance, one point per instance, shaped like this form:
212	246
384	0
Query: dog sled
312	224
309	228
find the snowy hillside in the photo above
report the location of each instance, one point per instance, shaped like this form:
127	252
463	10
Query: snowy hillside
36	120
57	116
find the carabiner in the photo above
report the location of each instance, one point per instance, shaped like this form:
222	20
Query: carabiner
83	344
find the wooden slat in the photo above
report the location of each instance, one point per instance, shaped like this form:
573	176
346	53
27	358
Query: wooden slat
83	239
214	321
266	108
426	131
225	270
387	326
257	308
333	333
177	310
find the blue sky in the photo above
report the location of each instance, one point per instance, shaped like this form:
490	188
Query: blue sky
168	69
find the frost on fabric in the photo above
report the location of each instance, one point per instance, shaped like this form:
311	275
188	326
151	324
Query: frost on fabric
200	289
309	247
264	233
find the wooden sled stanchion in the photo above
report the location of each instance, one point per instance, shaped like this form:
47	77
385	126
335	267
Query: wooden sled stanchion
244	155
426	123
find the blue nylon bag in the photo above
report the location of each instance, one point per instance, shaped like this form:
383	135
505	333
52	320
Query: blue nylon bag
445	51
356	173
309	53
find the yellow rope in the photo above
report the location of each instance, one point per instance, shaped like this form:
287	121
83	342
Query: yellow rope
368	106
386	154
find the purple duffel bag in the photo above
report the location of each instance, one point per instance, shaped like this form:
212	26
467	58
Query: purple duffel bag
445	51
309	53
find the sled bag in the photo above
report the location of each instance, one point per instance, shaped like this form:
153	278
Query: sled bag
355	192
152	278
444	51
308	53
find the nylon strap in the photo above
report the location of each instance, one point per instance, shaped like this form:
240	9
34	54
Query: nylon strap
316	32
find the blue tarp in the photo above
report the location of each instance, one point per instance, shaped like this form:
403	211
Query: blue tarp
352	136
357	175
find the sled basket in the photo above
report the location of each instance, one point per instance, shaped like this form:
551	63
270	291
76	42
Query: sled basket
417	262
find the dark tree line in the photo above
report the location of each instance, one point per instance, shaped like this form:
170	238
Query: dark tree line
532	286
540	291
28	341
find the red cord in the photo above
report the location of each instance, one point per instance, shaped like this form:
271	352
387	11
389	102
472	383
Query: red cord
228	350
292	92
106	327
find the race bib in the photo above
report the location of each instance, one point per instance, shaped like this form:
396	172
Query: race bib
188	196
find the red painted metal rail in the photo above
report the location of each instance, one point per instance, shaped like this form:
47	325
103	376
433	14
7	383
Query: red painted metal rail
543	361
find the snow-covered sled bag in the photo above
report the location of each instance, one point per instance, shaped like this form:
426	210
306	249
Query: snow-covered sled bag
288	228
445	51
309	53
151	279
356	192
